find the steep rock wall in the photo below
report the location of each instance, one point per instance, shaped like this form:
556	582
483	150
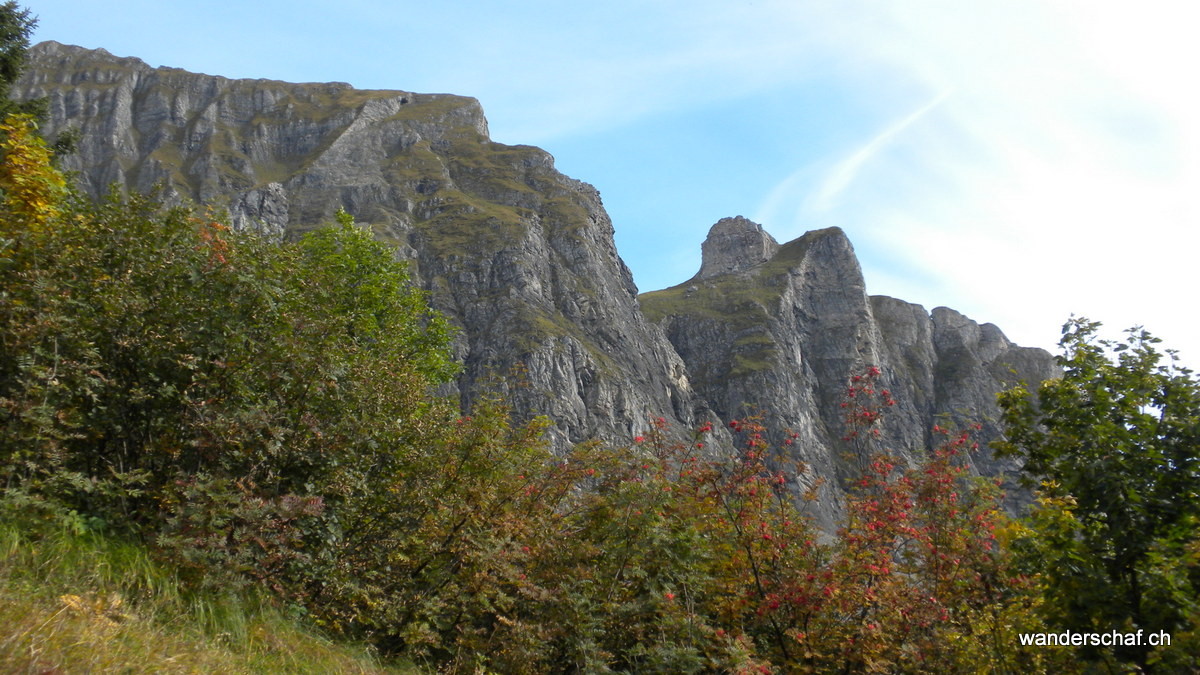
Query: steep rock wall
518	255
522	259
780	337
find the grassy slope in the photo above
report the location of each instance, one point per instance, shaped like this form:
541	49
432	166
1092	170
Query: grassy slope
84	603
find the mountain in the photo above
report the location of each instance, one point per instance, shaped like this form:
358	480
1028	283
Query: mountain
778	330
521	258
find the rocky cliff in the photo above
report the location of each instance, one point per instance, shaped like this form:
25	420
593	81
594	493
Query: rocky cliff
777	330
518	255
522	258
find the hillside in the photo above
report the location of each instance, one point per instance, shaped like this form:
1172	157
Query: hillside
306	378
521	258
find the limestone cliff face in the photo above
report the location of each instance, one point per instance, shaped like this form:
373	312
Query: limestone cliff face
733	245
778	330
519	256
522	259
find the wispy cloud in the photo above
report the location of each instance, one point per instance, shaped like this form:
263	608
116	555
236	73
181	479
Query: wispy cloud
1062	174
842	174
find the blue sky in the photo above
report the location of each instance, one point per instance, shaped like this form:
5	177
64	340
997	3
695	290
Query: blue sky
1016	160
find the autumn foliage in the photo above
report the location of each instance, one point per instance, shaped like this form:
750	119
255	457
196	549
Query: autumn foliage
264	416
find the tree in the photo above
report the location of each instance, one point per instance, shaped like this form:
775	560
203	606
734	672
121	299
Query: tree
31	190
1115	442
16	25
161	374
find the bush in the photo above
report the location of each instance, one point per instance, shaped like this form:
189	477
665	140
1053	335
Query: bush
1114	443
262	415
166	377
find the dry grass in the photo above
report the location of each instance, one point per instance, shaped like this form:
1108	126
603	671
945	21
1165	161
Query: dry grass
85	604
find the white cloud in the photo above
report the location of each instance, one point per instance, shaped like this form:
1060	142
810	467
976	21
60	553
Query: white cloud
843	173
1060	177
1062	174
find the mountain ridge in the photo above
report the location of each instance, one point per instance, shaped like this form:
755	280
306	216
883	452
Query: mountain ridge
522	260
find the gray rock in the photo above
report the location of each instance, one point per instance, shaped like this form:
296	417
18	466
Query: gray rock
264	210
781	337
735	244
521	258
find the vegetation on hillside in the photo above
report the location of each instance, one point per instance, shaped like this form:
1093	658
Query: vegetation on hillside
222	454
82	602
1115	538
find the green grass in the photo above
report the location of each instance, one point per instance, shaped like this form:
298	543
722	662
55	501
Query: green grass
85	603
425	107
744	299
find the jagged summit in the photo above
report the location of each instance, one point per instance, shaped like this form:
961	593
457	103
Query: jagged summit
774	330
87	62
733	245
521	258
518	256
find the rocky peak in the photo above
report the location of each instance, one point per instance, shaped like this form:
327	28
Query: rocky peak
733	245
521	258
518	256
781	338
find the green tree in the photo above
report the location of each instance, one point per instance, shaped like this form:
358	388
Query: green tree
16	25
161	374
1116	444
